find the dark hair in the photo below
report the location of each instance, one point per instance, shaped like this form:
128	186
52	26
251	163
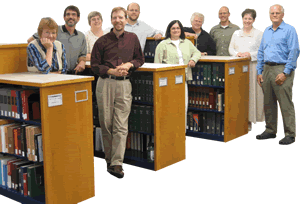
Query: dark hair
72	8
252	12
168	33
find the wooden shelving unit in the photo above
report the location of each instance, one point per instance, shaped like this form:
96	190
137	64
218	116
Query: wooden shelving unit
236	91
169	119
67	130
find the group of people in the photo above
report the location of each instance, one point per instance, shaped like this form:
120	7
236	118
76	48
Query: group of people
118	51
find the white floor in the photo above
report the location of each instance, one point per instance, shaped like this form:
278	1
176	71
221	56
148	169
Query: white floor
244	170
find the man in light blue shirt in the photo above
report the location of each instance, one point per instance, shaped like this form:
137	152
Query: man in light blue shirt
276	63
140	28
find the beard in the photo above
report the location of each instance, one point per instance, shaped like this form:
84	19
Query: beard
71	24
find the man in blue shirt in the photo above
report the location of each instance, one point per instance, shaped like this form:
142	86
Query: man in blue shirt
276	63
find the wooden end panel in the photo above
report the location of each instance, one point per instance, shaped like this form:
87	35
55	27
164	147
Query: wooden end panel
68	144
169	120
13	59
236	100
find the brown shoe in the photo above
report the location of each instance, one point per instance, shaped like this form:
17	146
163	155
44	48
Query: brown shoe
116	171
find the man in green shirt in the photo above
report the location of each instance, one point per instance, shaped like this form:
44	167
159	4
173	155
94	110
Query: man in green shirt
222	32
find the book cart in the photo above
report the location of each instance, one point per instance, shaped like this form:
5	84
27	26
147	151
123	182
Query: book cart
66	129
235	86
168	118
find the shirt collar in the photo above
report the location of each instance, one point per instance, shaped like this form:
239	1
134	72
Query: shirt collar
43	48
251	34
64	29
136	24
229	25
169	41
113	34
282	24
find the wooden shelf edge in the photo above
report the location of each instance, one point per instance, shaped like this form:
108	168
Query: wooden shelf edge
16	196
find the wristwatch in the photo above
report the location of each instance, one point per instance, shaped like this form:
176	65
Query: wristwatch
284	73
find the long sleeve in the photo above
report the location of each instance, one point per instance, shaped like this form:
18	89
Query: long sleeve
35	59
63	59
158	58
232	45
97	64
293	49
260	57
253	52
138	56
195	53
211	46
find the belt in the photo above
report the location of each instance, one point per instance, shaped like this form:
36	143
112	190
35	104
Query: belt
274	63
117	78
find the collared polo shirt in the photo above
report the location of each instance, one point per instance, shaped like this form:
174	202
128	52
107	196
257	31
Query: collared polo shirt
280	46
222	37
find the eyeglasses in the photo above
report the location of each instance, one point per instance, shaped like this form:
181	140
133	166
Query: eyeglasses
71	14
134	10
275	13
223	13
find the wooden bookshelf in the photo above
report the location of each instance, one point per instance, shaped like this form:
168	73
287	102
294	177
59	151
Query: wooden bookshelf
236	91
67	131
169	117
13	58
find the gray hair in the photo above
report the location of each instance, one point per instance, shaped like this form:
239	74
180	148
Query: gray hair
282	9
200	15
93	14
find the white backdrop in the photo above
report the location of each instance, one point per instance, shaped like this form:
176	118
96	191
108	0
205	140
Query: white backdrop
241	171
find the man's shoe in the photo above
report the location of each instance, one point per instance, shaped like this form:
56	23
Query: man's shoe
265	135
116	171
108	165
287	140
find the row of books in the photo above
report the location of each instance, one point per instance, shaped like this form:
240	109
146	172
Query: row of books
20	103
211	74
142	87
206	98
150	47
140	145
21	176
206	122
22	140
141	119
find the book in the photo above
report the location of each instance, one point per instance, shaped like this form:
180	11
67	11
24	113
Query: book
38	147
25	184
35	180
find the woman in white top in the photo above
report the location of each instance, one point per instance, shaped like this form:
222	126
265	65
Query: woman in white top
95	21
245	43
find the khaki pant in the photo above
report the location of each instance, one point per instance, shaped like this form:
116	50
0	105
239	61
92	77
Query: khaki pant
282	94
114	103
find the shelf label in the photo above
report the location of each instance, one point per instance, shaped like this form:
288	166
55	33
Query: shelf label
231	70
245	68
54	100
83	97
179	79
163	81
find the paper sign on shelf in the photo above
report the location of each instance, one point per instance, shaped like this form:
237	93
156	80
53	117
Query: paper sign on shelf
54	100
